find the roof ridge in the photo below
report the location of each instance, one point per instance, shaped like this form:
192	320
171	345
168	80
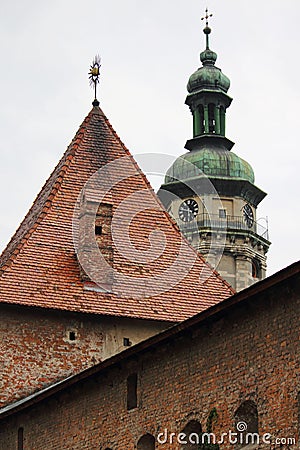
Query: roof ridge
32	218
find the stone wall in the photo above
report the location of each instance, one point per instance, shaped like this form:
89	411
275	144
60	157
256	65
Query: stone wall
246	354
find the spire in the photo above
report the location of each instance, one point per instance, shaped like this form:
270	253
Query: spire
208	57
94	74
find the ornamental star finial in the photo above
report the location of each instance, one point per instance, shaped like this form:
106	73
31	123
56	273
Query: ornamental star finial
206	17
94	74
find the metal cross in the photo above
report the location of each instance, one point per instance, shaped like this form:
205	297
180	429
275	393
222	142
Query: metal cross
206	17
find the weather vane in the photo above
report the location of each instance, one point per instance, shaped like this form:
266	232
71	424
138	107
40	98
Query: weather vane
206	17
94	74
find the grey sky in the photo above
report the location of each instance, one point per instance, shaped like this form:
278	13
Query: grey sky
148	50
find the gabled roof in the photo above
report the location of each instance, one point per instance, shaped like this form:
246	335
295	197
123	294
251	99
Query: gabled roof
39	267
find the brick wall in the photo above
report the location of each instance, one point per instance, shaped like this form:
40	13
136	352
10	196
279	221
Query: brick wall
247	352
40	347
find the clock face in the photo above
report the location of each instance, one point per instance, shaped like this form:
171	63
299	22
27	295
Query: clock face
188	210
248	215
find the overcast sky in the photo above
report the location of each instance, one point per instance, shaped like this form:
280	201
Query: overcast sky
149	49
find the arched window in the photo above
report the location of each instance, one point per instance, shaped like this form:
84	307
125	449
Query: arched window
146	442
256	269
246	424
193	432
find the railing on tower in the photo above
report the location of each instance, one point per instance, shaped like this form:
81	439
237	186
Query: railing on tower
214	222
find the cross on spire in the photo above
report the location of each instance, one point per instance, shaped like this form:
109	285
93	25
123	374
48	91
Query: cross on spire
206	30
206	17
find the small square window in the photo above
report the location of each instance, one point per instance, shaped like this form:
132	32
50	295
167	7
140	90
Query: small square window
222	213
127	342
98	230
72	336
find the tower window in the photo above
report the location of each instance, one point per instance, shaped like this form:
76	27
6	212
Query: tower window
132	391
222	213
256	270
211	118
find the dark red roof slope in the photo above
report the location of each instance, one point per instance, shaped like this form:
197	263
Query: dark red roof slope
39	267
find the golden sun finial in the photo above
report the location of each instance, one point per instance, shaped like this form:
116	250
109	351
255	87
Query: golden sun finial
94	74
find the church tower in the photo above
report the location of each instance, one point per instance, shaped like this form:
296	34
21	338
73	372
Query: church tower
210	191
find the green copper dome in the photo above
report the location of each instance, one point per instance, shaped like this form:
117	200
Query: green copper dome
208	77
213	162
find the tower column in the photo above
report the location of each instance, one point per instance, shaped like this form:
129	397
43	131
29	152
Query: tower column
217	120
222	121
206	119
197	122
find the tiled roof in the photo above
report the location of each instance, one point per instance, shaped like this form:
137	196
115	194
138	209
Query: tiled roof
39	266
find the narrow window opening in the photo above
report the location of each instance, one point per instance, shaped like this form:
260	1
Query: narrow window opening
98	230
222	213
20	438
211	119
256	270
132	391
72	336
127	342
